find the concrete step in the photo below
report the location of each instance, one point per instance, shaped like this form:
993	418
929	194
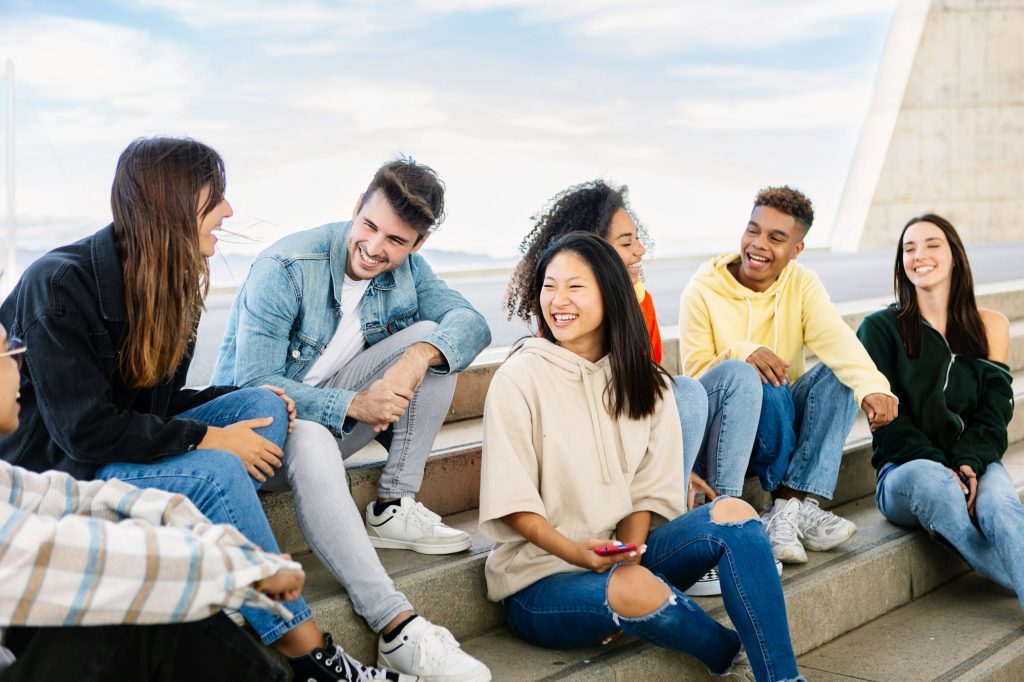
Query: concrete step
969	629
451	481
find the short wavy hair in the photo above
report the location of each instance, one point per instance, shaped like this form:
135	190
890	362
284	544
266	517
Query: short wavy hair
790	201
586	207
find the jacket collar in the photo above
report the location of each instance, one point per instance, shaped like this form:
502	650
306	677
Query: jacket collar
339	258
109	274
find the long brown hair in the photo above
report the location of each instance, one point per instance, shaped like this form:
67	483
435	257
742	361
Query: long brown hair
965	332
637	381
155	203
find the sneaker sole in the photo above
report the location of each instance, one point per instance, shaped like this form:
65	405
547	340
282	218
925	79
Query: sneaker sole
706	588
482	674
421	548
824	547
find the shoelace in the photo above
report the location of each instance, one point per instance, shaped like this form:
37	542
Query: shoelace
786	529
422	516
433	648
810	510
352	669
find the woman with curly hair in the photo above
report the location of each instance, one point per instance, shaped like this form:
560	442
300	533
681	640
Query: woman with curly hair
938	461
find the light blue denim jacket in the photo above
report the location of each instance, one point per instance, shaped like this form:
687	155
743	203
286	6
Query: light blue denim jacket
290	305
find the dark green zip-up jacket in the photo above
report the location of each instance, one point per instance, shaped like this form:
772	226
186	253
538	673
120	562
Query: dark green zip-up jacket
953	409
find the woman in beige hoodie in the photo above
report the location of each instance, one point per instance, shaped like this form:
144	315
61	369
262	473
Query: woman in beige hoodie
581	453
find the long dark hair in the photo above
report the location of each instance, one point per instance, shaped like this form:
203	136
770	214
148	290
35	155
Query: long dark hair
965	332
637	380
155	203
586	207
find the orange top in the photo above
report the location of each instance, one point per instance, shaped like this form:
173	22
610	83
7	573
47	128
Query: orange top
647	307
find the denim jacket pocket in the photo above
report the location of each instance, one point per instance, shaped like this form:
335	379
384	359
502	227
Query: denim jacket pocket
301	352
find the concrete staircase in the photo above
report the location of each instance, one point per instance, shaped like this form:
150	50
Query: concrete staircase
889	605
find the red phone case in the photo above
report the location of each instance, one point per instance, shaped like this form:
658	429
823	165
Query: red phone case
615	549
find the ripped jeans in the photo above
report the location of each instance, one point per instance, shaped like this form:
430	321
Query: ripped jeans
570	610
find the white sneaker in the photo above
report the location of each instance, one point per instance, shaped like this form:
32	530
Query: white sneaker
710	584
822	530
431	652
780	522
410	525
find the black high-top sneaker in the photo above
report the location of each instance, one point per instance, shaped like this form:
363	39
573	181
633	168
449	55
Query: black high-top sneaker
330	663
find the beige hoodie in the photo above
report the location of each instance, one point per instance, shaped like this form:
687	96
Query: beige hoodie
551	447
720	319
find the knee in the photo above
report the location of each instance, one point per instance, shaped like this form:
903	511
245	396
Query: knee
691	398
261	402
775	398
732	510
220	473
634	592
742	376
421	329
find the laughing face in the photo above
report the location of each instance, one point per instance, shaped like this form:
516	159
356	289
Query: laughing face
771	240
622	235
210	222
379	241
927	257
571	304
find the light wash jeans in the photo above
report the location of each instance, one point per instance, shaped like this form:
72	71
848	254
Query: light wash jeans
332	525
218	484
734	405
570	610
410	439
926	494
315	471
692	403
801	433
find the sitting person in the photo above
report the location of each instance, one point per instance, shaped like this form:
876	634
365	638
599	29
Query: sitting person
938	462
582	451
744	320
351	321
85	554
112	321
601	209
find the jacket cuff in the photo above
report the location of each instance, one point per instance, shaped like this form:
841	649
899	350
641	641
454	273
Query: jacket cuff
334	415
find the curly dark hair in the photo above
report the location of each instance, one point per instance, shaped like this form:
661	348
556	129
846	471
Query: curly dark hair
790	201
586	207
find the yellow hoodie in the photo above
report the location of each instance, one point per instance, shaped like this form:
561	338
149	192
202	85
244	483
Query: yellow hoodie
720	319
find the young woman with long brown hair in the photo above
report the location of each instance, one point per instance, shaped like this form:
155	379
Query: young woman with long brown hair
111	320
938	462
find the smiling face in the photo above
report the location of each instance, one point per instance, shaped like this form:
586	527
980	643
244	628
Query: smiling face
771	240
379	241
10	382
210	222
622	235
927	257
571	303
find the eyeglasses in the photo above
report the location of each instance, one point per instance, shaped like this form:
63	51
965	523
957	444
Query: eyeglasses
16	349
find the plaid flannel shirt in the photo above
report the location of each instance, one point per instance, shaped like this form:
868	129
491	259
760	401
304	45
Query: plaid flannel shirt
102	553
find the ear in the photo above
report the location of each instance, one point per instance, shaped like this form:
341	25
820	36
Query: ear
798	249
419	243
359	205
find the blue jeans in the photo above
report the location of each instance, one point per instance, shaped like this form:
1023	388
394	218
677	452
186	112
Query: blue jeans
734	404
923	493
692	403
218	484
801	433
570	610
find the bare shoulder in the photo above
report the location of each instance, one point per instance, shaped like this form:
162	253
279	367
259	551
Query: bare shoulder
997	331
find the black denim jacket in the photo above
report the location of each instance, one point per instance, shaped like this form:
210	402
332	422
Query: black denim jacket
76	413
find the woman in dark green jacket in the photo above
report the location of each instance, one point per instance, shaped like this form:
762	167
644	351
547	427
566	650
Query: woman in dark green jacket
938	462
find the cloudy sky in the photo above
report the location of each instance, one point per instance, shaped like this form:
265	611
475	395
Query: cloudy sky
694	105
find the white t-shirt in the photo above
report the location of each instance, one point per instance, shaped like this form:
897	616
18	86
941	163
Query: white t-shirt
348	338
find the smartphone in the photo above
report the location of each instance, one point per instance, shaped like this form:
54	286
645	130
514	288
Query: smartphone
615	549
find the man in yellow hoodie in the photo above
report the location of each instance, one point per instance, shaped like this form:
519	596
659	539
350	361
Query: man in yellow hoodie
748	316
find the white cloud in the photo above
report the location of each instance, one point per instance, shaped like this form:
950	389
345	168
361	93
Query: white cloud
372	105
829	108
667	26
81	61
753	78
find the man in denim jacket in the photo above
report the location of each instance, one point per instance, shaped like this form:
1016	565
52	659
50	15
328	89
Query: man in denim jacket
356	327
